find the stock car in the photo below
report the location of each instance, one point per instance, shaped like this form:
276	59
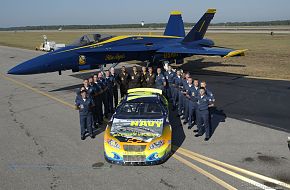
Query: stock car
139	132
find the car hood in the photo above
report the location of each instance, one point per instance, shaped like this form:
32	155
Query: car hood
144	130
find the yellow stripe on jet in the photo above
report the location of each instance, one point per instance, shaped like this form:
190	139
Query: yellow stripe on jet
211	11
117	38
201	26
175	13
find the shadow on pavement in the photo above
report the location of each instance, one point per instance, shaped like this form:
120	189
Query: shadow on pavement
98	130
178	135
217	116
68	88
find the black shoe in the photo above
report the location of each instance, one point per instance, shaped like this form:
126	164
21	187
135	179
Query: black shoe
196	131
92	136
185	122
182	117
206	139
197	135
189	126
83	137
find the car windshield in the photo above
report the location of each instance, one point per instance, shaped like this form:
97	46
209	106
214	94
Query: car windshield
140	109
91	39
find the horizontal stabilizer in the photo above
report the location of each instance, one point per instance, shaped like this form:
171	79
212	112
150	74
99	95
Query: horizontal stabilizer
208	51
236	53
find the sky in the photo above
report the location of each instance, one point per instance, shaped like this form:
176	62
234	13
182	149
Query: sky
66	12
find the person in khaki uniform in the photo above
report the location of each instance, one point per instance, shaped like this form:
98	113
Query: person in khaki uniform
143	77
123	79
150	78
135	80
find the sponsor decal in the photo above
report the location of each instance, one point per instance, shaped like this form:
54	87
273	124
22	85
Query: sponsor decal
135	134
116	57
146	123
140	129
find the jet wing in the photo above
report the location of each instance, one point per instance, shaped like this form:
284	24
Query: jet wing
209	51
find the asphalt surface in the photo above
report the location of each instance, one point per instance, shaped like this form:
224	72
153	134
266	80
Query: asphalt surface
260	101
41	148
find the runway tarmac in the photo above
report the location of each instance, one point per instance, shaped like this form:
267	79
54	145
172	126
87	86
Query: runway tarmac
41	148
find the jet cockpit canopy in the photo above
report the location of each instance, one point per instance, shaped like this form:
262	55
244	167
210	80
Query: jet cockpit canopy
88	39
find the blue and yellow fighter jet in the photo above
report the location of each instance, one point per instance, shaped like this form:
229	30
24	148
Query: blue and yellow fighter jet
92	51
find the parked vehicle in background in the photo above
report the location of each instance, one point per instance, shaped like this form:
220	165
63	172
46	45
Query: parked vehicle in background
48	45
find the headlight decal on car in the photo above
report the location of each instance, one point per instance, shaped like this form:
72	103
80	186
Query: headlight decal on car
153	157
156	144
114	144
117	156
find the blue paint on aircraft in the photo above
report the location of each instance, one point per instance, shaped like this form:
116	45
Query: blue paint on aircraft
93	50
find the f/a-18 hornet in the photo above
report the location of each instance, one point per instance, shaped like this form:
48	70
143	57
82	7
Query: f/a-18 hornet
94	50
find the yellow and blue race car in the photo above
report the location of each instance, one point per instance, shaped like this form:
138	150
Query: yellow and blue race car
139	132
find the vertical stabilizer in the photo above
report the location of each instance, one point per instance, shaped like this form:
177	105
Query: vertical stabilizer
175	26
200	28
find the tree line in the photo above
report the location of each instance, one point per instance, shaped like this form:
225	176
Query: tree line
149	25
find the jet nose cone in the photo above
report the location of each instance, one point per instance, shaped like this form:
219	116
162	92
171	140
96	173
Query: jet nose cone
21	69
17	70
33	66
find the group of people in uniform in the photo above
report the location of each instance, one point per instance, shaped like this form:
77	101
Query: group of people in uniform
98	96
96	99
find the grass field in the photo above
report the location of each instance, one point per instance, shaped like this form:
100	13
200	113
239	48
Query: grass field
268	56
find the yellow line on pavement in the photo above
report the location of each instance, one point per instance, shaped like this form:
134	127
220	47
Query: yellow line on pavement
259	176
207	174
37	91
238	176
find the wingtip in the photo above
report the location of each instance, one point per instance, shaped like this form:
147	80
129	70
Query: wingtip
236	53
175	13
212	11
